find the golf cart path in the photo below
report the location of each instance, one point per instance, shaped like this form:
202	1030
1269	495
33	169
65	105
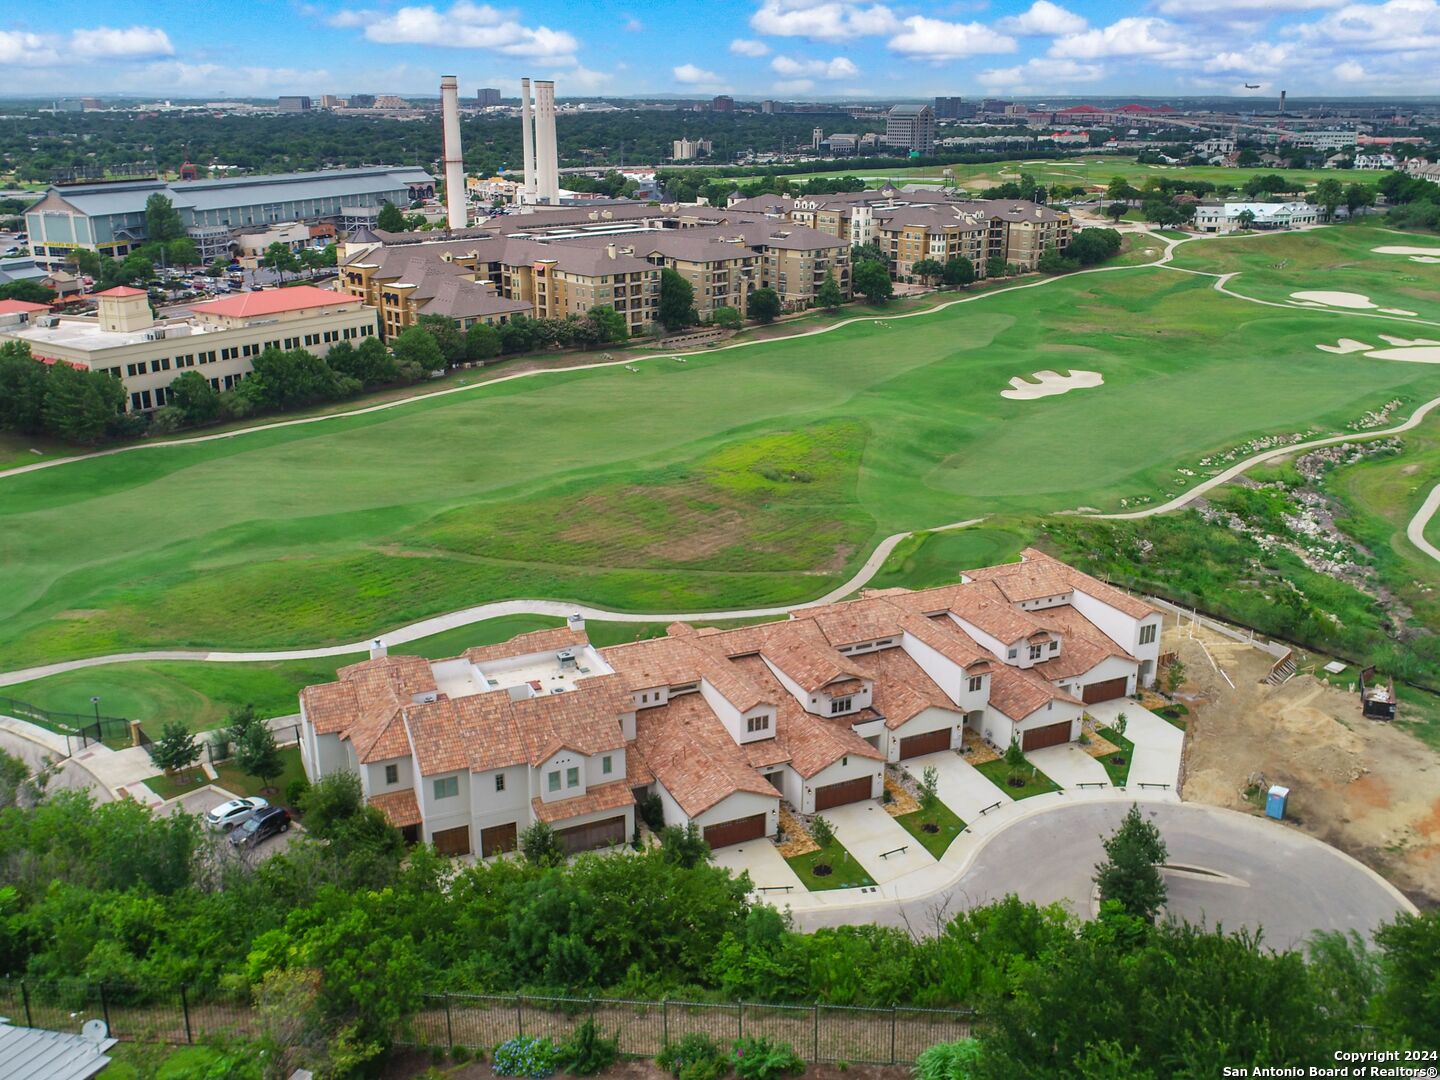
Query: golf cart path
559	608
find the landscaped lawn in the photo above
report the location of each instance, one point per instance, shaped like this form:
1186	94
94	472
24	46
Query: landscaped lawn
944	820
845	873
169	786
1036	782
753	476
1174	715
1118	772
934	558
241	783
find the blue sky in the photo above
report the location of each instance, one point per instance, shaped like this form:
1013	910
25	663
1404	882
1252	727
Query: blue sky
764	48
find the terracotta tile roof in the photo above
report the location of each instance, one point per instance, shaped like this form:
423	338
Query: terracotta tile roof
675	661
605	797
120	290
585	719
812	742
21	307
399	807
801	651
1018	692
692	754
901	690
551	640
383	741
476	732
1083	644
330	707
871	618
1039	571
273	302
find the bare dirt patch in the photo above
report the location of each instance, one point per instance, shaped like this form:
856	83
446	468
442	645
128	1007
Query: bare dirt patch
1365	786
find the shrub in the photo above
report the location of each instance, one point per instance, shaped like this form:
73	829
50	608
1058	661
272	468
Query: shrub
695	1057
821	831
957	1060
760	1059
524	1055
587	1053
295	791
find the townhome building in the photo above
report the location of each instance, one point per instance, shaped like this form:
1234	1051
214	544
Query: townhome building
722	726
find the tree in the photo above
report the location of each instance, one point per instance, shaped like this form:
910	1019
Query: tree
1091	246
677	300
218	267
610	323
256	753
281	259
482	342
294	377
182	252
1119	190
176	748
447	335
763	305
821	831
684	847
1117	210
369	364
928	269
1329	194
929	787
390	218
828	296
418	346
868	252
80	405
872	281
1409	1005
1130	874
540	846
1052	262
1174	676
22	389
1358	196
194	398
162	220
958	271
1015	757
727	318
995	266
31	292
1245	218
1121	723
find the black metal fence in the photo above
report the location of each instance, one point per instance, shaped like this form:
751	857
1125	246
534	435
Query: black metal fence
819	1033
79	729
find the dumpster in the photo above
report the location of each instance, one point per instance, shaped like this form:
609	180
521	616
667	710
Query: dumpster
1275	802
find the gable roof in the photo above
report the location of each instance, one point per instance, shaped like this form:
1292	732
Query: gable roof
272	302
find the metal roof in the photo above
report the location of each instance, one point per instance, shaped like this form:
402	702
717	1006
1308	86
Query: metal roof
38	1054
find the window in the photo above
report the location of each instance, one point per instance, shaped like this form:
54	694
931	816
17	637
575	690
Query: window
392	774
757	723
500	782
572	777
975	684
1147	634
1054	646
1034	652
607	765
552	781
447	787
844	761
840	705
1011	654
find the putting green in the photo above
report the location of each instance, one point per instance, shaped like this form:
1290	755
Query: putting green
755	476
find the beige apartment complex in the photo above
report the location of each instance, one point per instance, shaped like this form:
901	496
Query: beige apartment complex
219	339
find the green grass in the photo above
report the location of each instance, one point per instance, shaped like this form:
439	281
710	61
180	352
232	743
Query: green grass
240	783
927	559
172	787
155	1061
1119	772
1174	715
1036	782
760	476
846	872
950	826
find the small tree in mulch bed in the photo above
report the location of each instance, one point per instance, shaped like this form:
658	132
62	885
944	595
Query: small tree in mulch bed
176	750
1016	763
822	832
929	796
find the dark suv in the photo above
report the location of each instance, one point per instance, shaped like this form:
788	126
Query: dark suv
262	824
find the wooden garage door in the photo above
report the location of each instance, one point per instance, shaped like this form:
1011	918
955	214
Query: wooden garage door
931	742
1041	737
1108	690
497	839
733	832
597	834
453	841
846	791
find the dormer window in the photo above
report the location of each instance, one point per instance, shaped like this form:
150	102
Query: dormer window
1034	652
1054	646
840	705
757	723
1012	654
975	684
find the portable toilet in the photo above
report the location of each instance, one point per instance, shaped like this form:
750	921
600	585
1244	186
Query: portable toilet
1275	802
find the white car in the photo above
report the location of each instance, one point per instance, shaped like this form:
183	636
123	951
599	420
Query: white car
235	812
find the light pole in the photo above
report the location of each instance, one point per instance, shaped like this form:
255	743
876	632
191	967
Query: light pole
96	702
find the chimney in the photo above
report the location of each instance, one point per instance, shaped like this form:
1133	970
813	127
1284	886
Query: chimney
576	623
527	133
378	649
455	215
547	165
610	250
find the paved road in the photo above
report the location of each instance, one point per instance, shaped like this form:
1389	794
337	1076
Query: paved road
1271	876
1415	531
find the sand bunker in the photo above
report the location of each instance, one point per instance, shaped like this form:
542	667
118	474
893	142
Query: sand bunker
1403	250
1425	354
1345	345
1353	301
1050	383
1407	342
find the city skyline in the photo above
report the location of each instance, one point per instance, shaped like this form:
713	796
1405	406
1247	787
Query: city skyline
772	48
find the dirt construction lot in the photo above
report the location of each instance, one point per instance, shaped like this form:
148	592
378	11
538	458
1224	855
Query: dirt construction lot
1366	787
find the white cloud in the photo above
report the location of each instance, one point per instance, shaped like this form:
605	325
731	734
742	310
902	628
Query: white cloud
633	25
469	26
794	86
1350	71
1043	19
1150	38
1396	26
212	80
933	39
694	77
107	43
832	20
749	47
1260	58
1205	9
1040	75
582	80
838	68
19	49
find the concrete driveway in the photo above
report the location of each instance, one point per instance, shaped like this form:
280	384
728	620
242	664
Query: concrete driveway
766	868
1157	742
962	787
869	833
203	800
1068	765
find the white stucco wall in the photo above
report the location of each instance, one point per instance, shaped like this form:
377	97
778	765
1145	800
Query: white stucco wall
372	776
836	772
743	804
931	719
561	762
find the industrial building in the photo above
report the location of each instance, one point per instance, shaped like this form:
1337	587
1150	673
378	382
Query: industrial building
108	217
542	163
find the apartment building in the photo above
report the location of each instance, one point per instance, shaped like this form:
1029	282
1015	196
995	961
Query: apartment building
402	284
724	725
219	339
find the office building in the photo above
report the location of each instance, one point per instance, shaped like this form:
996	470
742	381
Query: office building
948	108
294	103
487	97
722	103
911	127
690	149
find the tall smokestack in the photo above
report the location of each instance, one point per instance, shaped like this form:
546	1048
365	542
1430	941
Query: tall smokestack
527	131
454	160
1282	102
547	165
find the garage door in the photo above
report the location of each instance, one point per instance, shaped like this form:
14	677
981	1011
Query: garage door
733	832
452	841
1041	737
1108	690
597	834
497	839
932	742
847	791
